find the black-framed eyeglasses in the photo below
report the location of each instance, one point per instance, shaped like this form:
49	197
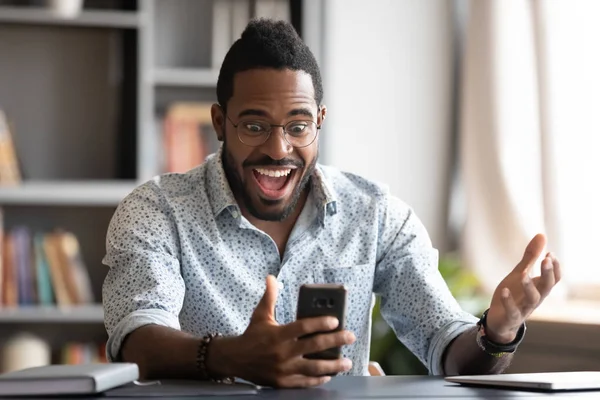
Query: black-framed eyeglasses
254	132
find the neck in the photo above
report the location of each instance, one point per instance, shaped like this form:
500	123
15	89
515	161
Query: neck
279	231
279	227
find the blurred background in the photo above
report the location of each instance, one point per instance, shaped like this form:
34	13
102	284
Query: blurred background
484	116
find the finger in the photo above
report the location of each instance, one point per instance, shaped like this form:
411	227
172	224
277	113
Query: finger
265	310
532	296
532	252
510	306
301	381
306	326
547	280
322	367
322	342
556	267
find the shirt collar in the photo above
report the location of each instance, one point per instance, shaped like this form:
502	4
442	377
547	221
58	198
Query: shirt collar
221	196
218	190
324	195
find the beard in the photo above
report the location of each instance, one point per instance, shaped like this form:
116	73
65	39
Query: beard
238	187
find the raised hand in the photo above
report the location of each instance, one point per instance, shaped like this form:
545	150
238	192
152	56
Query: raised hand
518	295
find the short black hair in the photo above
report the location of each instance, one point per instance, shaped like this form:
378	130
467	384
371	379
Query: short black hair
266	43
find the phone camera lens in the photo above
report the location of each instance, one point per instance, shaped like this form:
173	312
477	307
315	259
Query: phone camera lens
330	303
321	303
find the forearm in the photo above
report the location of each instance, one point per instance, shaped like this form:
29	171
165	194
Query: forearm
464	357
162	352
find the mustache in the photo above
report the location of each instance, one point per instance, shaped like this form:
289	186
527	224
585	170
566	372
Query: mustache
268	161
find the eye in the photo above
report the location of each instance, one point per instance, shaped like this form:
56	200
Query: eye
297	128
253	128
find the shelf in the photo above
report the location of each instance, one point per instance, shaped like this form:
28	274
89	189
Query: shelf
189	77
88	193
43	16
53	314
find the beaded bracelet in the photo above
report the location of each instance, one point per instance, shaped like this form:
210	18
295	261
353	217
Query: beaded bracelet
201	359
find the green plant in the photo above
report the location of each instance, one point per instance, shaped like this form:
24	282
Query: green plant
390	353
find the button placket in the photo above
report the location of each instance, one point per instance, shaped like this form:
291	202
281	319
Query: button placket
280	308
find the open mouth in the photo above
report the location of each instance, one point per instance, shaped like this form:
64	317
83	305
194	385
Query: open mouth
274	183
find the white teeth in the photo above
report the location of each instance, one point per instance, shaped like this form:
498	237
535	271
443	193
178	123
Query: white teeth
273	173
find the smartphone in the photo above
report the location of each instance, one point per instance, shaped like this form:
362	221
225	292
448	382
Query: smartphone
317	300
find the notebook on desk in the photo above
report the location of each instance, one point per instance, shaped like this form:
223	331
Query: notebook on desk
67	379
549	381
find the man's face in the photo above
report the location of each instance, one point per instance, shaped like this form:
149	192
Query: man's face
269	178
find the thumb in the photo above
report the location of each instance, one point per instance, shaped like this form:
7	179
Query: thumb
265	310
532	252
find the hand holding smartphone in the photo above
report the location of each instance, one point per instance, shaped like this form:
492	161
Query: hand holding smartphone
318	300
270	354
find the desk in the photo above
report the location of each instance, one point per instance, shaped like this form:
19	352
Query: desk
396	387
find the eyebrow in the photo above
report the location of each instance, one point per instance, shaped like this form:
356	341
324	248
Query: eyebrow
251	111
301	111
260	113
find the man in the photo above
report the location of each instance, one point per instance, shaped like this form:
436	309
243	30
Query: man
224	248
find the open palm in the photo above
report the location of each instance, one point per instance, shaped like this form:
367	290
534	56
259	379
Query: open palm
518	295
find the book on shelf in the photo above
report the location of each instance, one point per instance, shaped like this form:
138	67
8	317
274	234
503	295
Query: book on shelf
188	136
10	172
83	353
42	268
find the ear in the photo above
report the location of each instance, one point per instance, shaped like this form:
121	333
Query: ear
321	115
218	120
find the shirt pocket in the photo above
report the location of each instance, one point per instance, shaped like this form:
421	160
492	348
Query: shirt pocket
358	281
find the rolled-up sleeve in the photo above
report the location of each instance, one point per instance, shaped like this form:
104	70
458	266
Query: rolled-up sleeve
415	300
144	283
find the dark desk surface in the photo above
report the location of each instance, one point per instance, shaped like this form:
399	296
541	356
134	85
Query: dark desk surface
396	387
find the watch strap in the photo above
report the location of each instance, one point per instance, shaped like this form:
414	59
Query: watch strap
493	348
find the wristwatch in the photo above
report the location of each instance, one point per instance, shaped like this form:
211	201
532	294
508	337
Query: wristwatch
493	348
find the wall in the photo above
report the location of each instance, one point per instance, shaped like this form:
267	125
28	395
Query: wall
551	346
387	70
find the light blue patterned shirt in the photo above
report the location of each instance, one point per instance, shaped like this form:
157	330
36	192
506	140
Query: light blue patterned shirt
181	255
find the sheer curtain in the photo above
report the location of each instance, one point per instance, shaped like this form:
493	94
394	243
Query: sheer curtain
530	137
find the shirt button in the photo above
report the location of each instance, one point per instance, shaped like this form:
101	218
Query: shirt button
280	285
235	214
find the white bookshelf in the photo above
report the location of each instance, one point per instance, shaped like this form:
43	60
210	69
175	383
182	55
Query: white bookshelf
59	193
95	18
70	88
86	95
52	314
186	77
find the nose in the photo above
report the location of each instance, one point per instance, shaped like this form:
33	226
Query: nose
276	146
